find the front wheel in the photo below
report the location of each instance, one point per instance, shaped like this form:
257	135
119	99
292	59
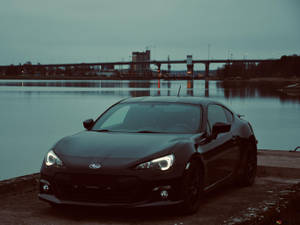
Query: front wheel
192	188
247	177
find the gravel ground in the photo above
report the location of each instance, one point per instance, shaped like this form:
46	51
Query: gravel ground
227	205
273	199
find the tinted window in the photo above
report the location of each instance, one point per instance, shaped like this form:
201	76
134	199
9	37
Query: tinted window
155	117
216	114
117	117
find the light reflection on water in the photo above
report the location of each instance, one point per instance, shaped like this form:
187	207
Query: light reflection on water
35	114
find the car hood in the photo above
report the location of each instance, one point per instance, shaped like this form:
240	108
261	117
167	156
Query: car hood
113	149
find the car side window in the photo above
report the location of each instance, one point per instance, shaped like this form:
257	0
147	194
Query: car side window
216	114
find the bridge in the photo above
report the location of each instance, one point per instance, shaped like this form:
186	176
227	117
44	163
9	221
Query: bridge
158	63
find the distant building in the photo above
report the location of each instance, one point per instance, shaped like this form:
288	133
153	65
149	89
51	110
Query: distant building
141	57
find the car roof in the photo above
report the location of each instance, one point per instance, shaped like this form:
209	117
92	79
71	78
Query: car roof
171	99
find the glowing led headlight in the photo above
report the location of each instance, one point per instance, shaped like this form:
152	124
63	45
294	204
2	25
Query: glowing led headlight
162	163
52	159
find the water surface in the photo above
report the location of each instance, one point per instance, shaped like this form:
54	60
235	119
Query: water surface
35	114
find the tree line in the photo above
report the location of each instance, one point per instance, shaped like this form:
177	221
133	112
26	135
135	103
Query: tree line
286	66
39	70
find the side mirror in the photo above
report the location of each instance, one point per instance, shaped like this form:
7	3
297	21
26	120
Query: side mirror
87	124
220	128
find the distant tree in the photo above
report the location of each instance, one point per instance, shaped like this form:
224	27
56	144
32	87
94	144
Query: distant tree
68	71
28	68
286	66
11	70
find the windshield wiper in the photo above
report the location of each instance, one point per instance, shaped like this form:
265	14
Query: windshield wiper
147	131
102	130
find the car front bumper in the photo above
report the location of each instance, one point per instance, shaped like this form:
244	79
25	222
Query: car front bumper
54	200
110	191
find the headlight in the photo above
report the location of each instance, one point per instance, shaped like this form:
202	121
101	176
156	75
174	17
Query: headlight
52	159
163	163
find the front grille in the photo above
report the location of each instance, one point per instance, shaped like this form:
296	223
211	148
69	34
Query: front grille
98	188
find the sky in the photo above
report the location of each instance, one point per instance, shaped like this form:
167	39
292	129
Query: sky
76	31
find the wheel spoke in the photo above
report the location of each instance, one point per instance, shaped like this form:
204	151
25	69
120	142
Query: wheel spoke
193	185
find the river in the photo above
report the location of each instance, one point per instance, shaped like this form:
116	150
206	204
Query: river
34	114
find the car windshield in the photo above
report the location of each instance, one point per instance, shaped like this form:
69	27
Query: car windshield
150	118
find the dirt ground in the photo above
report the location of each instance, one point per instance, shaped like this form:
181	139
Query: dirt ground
273	199
227	205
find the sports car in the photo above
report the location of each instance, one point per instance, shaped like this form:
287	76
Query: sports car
151	151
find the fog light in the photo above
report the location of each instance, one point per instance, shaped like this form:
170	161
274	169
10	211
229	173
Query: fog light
164	194
46	187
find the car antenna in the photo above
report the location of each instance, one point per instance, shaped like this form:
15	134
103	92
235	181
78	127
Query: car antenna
179	91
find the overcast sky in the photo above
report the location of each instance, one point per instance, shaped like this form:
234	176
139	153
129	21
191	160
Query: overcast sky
75	31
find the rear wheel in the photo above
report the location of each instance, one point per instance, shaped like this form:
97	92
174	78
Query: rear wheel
247	177
192	188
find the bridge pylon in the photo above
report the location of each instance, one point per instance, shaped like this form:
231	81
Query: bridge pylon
206	69
158	68
190	64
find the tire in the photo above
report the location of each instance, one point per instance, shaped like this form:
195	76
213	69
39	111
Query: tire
247	176
192	188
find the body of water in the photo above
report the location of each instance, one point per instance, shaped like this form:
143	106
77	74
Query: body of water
35	114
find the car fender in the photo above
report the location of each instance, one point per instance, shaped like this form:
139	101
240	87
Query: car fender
188	151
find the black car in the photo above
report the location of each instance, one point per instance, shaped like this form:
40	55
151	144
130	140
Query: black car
151	151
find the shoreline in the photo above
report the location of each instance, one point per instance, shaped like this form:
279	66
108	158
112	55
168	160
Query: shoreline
254	79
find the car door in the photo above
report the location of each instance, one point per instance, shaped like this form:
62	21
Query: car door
221	154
